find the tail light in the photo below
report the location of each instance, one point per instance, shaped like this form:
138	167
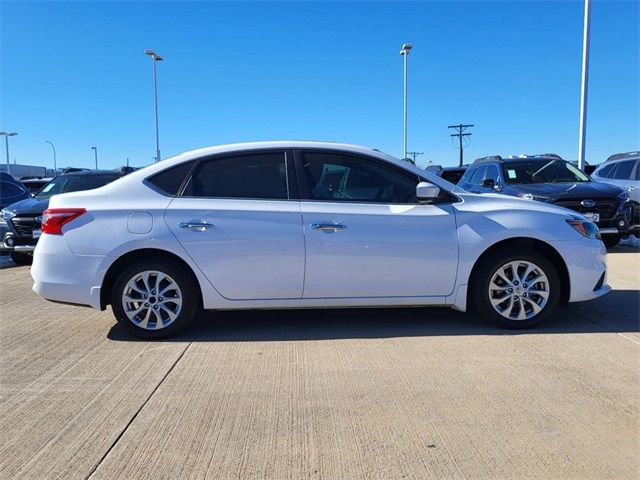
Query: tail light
54	219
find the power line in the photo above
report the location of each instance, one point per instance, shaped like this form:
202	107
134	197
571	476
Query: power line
414	155
461	129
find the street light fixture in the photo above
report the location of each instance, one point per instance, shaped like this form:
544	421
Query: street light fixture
404	51
55	168
156	58
6	144
95	152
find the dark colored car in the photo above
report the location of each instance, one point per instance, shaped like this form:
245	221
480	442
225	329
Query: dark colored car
11	190
450	174
549	178
20	221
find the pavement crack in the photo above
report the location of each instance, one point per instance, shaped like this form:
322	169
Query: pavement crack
135	415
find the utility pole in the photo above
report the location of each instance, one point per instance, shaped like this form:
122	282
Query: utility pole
404	51
95	152
461	129
414	155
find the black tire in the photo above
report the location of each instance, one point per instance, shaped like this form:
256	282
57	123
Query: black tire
611	241
21	258
188	292
489	266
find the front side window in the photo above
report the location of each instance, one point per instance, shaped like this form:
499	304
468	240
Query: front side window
253	175
492	173
346	178
623	172
477	175
604	171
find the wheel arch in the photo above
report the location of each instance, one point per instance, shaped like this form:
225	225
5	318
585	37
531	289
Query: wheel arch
538	245
133	256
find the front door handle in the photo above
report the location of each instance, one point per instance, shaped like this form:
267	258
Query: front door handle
196	226
327	227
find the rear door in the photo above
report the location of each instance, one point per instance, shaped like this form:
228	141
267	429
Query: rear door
365	233
238	217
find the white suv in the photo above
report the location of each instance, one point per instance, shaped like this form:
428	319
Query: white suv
623	170
308	225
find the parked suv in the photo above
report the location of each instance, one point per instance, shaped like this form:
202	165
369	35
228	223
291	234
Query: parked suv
550	179
11	190
20	221
623	170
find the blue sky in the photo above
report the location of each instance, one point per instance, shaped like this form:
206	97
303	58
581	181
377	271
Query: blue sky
75	73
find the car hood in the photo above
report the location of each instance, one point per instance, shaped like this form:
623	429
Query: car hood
28	206
559	191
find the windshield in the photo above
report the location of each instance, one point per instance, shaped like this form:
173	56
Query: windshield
542	171
75	183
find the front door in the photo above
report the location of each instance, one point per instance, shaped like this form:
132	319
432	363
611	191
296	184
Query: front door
365	233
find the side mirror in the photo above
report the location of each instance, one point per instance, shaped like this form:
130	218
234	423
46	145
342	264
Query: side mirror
427	192
489	183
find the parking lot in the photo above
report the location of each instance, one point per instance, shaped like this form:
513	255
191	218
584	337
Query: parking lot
334	394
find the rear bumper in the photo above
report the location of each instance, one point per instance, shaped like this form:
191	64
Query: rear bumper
62	276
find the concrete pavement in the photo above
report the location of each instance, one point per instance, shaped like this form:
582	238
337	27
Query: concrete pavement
332	394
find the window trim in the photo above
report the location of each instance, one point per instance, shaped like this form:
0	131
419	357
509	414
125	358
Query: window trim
292	190
305	193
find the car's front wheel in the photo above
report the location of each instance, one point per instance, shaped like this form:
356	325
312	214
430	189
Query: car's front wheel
154	298
515	288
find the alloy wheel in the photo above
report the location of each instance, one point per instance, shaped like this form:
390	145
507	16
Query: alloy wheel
152	300
519	290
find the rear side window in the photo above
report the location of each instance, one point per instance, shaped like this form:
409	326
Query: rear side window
254	175
623	172
171	179
637	177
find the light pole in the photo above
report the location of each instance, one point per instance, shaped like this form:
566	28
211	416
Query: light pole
55	168
404	51
582	132
95	153
156	58
6	144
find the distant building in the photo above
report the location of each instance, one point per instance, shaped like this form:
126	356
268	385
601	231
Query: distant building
18	171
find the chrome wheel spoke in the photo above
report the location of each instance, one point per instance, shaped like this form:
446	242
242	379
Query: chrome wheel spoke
536	308
542	293
530	268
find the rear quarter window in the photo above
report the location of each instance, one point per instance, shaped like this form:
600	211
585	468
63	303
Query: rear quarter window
170	180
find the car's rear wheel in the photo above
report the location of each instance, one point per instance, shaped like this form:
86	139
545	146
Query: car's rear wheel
154	298
515	288
21	258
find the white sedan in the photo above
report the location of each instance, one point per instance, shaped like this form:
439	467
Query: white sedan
308	225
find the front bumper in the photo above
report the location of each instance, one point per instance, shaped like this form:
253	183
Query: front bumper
586	262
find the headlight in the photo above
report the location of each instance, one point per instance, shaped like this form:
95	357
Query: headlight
3	221
584	227
537	198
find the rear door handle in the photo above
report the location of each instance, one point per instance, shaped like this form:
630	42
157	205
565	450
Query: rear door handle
327	227
196	226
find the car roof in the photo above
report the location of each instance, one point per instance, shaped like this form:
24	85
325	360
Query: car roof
624	156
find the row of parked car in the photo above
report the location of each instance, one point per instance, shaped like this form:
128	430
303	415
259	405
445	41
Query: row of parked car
610	197
23	202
